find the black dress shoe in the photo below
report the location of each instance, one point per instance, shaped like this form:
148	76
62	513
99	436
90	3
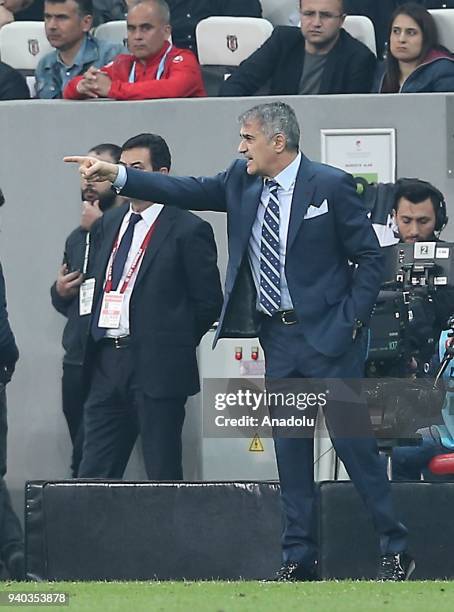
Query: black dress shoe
291	571
15	564
397	567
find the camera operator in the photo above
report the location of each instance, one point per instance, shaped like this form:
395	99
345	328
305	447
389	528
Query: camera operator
419	215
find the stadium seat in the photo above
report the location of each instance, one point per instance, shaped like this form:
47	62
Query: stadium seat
363	29
23	44
224	42
280	12
113	31
442	464
444	18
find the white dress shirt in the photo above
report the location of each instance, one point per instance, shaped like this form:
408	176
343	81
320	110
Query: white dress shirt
286	180
149	216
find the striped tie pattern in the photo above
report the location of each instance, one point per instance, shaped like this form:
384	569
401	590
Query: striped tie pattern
270	265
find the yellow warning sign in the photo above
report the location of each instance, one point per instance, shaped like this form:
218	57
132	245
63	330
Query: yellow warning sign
256	445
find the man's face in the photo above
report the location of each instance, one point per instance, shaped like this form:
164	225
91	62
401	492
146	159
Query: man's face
406	39
146	32
64	25
321	21
257	149
416	222
138	158
98	191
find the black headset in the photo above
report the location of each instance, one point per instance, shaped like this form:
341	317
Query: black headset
441	215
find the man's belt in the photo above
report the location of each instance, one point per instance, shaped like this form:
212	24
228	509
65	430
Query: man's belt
287	317
117	343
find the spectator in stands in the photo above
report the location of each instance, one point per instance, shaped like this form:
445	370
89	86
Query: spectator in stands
108	10
379	12
11	538
13	85
321	58
103	10
186	14
153	69
416	62
34	11
8	9
68	24
66	298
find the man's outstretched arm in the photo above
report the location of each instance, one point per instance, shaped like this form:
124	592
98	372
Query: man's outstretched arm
206	193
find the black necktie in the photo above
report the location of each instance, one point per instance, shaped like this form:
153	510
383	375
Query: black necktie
117	271
123	249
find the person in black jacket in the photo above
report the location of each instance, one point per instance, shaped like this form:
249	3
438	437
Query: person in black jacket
13	85
11	538
186	14
97	198
321	58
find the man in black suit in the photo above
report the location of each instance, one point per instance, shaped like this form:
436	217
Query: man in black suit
319	58
11	538
294	227
157	293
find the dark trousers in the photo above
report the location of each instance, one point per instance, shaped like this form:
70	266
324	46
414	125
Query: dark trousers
116	411
74	394
410	462
288	355
11	537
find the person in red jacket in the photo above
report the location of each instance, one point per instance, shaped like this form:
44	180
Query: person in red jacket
153	69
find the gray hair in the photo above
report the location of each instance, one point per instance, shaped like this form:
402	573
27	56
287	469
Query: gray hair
275	118
162	6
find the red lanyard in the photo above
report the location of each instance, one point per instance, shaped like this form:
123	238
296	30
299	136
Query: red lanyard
135	263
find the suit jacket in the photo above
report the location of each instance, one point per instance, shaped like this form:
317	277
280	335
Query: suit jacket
349	68
328	293
9	353
176	298
13	85
75	332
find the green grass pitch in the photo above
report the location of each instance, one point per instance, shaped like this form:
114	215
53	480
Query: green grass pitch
346	596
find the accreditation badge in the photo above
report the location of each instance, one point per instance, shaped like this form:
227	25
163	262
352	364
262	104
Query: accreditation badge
111	310
86	293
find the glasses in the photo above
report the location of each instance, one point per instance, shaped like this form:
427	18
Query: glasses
322	15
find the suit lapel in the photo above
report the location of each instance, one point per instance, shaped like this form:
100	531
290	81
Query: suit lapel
164	223
112	227
302	196
250	200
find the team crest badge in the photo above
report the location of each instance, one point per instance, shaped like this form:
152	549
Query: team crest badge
232	42
33	46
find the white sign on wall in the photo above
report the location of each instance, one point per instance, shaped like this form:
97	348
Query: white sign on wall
370	153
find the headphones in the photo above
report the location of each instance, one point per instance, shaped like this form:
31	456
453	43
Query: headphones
441	216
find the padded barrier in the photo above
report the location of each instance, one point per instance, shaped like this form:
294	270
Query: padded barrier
349	547
93	530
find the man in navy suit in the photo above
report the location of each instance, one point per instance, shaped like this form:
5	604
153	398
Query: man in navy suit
294	226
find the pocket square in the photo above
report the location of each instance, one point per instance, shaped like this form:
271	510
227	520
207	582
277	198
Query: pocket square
315	210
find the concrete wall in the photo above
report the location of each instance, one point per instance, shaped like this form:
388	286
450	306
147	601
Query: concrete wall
43	206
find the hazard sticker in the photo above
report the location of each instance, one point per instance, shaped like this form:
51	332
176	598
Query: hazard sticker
256	445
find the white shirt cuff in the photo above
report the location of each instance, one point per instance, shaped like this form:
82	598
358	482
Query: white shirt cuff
121	179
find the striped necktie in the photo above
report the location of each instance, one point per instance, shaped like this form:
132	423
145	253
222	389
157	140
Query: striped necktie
270	265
